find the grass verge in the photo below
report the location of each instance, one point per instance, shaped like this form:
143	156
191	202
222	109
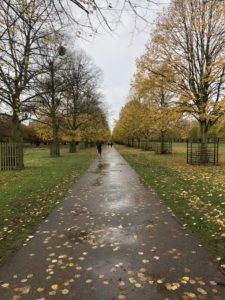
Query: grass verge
29	195
196	194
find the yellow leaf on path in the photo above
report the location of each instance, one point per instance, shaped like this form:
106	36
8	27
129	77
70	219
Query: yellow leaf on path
121	284
135	237
141	275
143	270
54	287
190	295
132	280
202	291
156	257
185	278
122	297
88	280
130	272
192	281
159	281
116	249
145	261
172	286
52	293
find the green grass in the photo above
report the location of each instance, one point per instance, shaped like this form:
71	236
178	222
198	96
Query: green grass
29	195
196	194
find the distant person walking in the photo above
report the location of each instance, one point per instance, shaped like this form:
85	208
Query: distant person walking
99	149
111	144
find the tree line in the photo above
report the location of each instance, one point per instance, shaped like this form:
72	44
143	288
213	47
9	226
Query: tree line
44	79
178	89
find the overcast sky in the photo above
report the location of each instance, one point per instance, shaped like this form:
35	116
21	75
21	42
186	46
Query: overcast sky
116	55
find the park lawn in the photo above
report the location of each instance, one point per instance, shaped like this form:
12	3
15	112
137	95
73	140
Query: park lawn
29	195
196	194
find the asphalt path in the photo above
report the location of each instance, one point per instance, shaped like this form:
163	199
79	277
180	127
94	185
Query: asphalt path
111	238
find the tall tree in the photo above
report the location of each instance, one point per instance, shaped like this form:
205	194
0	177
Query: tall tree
96	16
190	35
49	90
130	126
81	96
96	127
152	84
23	25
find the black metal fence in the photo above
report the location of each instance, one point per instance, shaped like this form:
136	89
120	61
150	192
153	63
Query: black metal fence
163	148
11	156
151	145
203	153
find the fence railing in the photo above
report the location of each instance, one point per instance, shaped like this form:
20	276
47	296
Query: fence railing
11	156
203	154
157	146
163	148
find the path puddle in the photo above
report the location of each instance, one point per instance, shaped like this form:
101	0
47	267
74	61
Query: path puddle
121	237
78	235
97	182
119	204
101	167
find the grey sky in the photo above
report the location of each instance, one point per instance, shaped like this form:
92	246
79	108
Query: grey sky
115	55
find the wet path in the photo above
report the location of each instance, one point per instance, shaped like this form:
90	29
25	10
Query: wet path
111	238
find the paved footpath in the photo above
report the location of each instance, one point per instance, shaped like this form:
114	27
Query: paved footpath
111	238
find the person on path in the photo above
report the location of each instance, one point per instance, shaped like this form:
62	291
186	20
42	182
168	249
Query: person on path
111	144
99	149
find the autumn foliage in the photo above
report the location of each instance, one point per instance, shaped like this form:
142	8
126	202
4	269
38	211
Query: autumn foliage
180	78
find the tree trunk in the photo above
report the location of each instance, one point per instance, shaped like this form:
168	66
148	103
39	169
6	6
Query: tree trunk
54	149
15	128
204	141
73	147
162	145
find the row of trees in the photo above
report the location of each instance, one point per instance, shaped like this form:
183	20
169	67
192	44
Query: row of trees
42	79
181	76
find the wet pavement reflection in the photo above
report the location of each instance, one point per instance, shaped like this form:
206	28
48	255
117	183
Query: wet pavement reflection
111	238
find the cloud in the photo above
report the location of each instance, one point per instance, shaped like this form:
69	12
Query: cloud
116	54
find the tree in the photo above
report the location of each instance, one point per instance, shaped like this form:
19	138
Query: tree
23	25
190	36
81	96
49	89
130	126
152	84
96	16
96	127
